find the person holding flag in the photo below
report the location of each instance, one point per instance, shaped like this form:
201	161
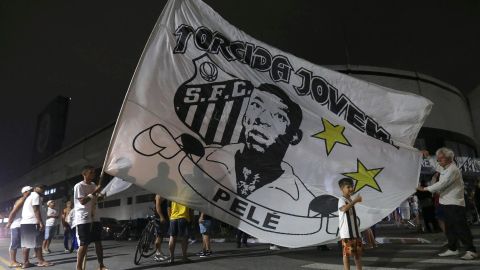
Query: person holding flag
89	228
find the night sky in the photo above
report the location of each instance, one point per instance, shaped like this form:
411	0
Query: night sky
88	50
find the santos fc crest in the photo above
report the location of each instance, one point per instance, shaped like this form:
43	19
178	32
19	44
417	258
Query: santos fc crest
212	102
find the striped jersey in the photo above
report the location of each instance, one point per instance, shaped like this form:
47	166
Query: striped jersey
348	224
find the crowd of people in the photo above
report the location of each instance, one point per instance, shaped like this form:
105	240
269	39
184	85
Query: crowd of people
439	205
29	230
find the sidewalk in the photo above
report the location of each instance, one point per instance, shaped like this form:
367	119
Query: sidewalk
391	233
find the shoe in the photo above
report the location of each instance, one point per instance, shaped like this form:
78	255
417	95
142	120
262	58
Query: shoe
469	255
159	257
171	260
66	251
449	253
199	253
274	247
206	254
190	242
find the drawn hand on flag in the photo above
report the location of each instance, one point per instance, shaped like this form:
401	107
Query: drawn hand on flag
158	140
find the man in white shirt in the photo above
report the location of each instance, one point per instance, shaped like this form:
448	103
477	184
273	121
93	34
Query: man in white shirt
50	226
14	220
451	189
31	227
89	228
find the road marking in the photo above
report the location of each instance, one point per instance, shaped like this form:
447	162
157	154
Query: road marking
7	263
328	266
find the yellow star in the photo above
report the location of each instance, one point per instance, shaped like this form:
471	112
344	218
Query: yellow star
364	177
331	134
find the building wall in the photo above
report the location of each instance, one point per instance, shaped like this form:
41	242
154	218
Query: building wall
450	111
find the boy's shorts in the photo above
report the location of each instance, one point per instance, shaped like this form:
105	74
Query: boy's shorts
352	246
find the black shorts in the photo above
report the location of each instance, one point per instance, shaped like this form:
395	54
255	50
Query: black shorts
161	229
88	233
179	227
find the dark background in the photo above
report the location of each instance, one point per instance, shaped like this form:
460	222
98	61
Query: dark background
89	50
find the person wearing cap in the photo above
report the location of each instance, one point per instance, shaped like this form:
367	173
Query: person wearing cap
14	219
50	226
32	227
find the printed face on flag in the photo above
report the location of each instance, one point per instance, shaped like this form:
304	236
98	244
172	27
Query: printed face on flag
267	122
259	138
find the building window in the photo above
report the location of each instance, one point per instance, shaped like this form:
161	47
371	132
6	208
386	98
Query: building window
129	200
145	198
50	191
111	203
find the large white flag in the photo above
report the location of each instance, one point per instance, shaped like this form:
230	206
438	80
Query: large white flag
257	137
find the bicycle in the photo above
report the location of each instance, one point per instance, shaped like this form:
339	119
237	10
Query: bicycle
125	233
146	243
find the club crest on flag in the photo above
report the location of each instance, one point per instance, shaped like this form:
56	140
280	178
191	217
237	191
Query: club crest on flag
212	102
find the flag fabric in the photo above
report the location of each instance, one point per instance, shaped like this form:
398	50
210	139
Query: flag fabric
257	137
467	165
116	185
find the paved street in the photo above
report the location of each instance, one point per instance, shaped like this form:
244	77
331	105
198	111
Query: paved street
401	249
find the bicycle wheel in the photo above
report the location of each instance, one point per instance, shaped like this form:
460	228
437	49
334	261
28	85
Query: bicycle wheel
138	253
140	246
149	241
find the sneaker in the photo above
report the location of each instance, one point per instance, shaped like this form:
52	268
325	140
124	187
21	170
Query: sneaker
159	257
66	251
199	253
469	255
192	241
206	254
449	253
274	247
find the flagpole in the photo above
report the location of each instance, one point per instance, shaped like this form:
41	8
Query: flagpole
109	149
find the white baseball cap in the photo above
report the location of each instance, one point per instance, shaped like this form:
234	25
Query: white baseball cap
26	188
